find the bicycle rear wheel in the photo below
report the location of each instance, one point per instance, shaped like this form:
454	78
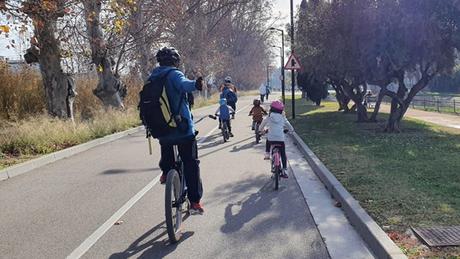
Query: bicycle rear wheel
173	207
257	133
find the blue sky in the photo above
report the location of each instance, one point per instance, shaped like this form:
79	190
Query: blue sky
283	6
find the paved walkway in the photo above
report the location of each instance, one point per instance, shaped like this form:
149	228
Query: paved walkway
448	120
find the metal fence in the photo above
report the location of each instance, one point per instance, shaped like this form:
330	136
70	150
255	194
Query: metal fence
440	104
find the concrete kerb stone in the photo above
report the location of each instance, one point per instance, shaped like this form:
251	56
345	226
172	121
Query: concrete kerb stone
377	240
3	175
25	167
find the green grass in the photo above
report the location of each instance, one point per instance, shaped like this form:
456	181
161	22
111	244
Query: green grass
402	180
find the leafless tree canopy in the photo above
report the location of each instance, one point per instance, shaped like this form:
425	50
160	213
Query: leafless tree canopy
114	38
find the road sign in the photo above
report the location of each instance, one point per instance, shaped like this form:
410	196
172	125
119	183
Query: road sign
293	63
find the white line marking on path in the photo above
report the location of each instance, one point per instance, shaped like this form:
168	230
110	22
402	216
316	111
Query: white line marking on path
91	240
94	237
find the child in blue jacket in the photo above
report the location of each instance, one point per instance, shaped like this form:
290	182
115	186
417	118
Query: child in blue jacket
224	112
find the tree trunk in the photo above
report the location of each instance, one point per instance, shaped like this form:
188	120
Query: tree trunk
397	106
109	89
142	44
342	99
361	112
377	104
59	87
357	99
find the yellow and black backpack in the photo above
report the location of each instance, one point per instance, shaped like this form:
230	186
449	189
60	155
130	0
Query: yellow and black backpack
155	110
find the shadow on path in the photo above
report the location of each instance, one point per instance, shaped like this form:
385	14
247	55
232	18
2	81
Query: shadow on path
121	171
250	207
156	247
227	145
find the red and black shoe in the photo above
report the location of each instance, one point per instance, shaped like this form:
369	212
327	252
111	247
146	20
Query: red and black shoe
196	208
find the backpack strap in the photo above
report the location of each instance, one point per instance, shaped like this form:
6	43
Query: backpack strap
182	97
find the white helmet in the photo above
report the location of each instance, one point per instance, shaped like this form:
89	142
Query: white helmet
228	79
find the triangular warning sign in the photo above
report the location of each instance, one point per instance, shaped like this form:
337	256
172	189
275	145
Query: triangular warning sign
293	63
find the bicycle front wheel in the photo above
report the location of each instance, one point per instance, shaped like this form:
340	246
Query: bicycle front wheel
276	176
225	133
173	207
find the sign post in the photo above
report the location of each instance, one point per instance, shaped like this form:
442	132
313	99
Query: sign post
293	64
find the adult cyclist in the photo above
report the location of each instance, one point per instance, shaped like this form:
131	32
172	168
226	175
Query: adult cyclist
177	86
229	92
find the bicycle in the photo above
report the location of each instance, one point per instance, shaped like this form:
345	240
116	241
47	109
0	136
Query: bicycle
256	128
175	199
276	164
224	128
275	161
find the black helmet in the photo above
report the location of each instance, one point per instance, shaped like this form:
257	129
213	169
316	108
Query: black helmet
168	55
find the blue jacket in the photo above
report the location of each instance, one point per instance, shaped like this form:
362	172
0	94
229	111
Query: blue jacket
224	93
224	112
177	85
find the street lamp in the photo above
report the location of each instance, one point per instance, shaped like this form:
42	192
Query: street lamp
283	85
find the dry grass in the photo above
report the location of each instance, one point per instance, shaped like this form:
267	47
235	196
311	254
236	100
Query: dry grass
202	102
21	93
42	135
25	129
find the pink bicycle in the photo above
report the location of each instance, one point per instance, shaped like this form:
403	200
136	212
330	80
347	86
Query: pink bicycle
276	164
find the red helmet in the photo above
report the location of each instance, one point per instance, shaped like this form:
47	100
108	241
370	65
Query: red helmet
277	106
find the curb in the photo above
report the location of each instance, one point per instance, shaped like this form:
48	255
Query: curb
28	166
376	239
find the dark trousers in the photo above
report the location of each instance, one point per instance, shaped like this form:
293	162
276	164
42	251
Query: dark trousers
282	149
255	123
262	96
188	152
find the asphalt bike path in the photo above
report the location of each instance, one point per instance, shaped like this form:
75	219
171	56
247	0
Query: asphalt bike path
58	209
244	217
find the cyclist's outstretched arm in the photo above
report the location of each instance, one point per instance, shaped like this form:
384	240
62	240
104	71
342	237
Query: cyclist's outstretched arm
288	125
263	124
181	83
264	111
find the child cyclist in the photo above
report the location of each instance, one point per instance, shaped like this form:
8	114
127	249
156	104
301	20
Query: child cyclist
276	123
257	113
224	112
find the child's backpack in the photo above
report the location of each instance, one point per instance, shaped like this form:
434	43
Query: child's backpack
231	97
154	109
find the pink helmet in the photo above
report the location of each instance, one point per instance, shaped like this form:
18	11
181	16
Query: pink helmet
277	106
